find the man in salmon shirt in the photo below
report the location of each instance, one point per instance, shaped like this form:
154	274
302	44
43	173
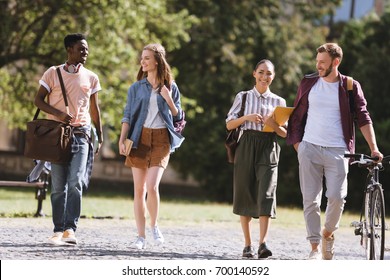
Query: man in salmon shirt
69	180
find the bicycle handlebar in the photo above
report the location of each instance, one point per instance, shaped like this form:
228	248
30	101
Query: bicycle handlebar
367	160
362	157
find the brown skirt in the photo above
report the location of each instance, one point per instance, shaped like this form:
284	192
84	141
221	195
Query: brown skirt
153	149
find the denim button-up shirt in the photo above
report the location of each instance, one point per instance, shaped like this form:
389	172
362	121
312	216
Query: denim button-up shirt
136	110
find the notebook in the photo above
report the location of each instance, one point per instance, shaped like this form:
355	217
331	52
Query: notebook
128	145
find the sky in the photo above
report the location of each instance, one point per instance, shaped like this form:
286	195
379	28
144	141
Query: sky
362	7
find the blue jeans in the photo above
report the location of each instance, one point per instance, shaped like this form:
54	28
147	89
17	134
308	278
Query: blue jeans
67	187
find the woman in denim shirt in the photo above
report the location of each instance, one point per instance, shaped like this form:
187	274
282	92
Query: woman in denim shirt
153	103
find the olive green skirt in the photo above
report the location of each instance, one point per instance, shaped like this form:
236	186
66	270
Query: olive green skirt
256	174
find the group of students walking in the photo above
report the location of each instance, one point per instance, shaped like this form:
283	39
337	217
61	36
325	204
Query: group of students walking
320	129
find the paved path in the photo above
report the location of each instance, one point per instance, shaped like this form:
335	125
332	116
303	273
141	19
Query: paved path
110	239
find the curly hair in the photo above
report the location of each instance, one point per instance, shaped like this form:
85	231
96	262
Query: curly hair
72	39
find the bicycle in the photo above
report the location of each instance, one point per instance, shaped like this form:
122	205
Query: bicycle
371	226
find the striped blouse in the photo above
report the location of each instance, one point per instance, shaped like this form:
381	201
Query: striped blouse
256	103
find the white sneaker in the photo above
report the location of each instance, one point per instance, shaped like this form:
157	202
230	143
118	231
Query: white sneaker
139	243
328	247
69	237
56	239
315	255
157	235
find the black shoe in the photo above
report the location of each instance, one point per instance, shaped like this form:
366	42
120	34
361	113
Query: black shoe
263	252
248	252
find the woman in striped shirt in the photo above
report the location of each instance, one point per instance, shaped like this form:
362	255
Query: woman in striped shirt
257	157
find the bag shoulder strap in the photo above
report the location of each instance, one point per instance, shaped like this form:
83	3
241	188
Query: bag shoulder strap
241	113
243	104
63	88
63	94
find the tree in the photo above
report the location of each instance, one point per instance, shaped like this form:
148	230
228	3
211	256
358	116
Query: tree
366	59
32	39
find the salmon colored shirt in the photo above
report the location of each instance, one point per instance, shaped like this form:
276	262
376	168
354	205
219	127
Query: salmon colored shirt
79	88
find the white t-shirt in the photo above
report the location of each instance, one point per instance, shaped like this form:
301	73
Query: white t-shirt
153	118
323	125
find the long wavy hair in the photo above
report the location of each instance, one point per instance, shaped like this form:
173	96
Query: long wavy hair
164	73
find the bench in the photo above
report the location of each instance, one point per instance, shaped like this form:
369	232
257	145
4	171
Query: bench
40	189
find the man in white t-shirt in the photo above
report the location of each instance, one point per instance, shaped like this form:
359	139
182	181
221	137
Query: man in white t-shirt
69	180
321	129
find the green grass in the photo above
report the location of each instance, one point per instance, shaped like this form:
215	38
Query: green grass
22	203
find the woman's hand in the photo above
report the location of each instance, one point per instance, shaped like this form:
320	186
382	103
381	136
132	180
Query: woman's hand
279	130
122	147
256	118
166	93
270	121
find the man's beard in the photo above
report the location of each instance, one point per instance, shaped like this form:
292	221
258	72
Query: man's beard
328	71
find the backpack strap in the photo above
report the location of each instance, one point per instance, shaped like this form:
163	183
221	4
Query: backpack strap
351	97
349	83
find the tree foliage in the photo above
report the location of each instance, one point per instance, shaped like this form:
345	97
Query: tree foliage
212	46
366	59
32	40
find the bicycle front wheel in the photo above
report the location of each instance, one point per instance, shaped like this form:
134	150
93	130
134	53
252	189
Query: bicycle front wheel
377	224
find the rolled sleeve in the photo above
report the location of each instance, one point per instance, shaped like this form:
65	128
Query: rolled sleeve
176	99
363	116
125	120
45	85
235	109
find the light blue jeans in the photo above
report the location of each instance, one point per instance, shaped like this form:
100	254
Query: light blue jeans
67	187
315	163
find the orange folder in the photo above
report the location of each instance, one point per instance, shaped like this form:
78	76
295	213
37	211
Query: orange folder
280	115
